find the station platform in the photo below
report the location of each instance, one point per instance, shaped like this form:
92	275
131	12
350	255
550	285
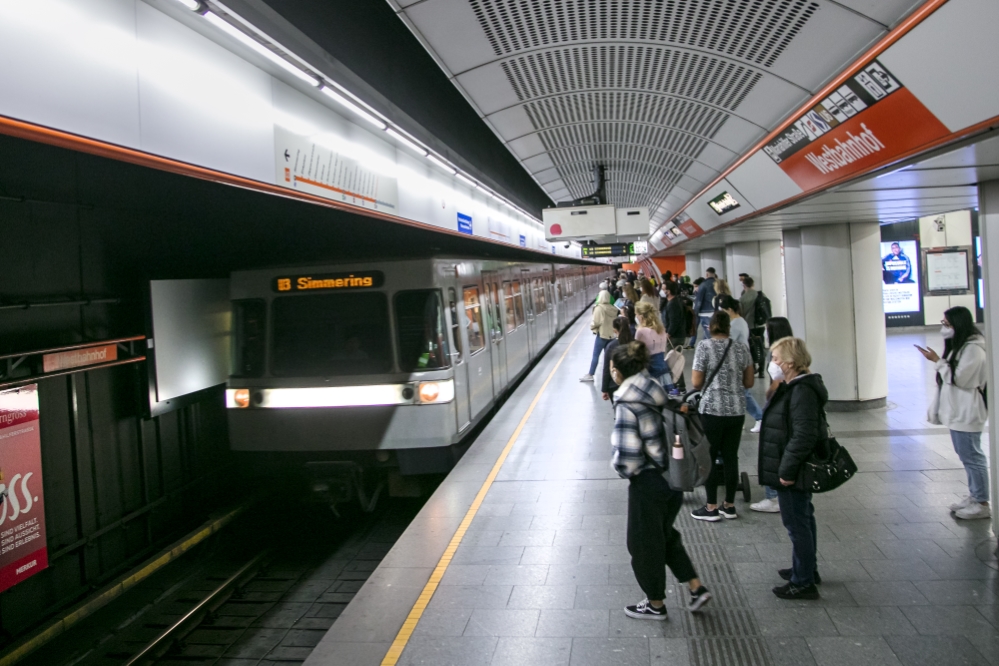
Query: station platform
519	557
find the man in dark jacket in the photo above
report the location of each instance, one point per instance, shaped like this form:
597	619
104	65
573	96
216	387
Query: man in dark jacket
704	300
673	316
793	424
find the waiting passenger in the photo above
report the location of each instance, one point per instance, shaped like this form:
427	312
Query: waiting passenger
602	326
639	454
704	299
649	295
793	425
960	404
622	328
721	289
651	332
675	319
776	329
740	333
722	370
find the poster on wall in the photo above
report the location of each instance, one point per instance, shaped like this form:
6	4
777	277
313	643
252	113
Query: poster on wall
23	550
900	283
979	284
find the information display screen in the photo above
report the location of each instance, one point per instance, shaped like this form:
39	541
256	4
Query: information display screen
900	276
947	271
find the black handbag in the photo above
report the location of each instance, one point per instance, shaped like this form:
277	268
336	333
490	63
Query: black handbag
827	470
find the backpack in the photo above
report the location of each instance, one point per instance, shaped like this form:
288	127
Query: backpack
761	310
694	468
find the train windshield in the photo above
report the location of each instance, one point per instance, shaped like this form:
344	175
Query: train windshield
331	334
422	337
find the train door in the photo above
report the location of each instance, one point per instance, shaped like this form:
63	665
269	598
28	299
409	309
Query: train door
460	362
494	310
480	383
542	318
515	327
528	293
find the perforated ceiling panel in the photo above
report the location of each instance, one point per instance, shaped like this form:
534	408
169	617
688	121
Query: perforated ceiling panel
641	87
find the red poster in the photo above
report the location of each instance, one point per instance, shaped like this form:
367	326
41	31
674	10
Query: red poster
895	125
690	228
23	551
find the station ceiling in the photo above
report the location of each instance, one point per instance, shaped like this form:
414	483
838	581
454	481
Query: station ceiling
665	94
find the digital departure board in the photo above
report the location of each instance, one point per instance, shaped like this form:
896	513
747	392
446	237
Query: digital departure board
329	282
612	250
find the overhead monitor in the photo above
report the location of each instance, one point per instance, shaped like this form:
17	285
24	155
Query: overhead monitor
723	203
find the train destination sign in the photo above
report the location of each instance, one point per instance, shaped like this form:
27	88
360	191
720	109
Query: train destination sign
330	282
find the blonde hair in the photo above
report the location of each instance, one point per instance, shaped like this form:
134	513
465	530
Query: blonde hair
794	352
648	317
721	287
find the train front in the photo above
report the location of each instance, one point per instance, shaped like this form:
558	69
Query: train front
343	372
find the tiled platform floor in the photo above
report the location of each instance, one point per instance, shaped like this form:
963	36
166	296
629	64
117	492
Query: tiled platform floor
543	573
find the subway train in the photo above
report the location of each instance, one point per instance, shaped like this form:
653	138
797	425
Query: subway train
365	375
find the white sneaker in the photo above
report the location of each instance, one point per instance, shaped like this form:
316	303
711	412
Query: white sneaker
957	506
756	428
974	511
766	506
586	378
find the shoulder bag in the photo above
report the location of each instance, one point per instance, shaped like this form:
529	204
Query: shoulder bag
827	469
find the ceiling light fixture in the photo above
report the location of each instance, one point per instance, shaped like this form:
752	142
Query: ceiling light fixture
892	173
193	5
468	181
246	40
353	108
412	145
442	164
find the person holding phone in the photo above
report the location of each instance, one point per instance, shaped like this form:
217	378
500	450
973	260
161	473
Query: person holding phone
959	404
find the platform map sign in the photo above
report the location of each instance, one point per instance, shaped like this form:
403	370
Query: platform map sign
900	283
23	550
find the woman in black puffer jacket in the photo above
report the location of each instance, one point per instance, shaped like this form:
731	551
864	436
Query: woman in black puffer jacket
793	424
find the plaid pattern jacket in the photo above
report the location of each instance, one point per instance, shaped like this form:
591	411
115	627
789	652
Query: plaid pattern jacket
638	426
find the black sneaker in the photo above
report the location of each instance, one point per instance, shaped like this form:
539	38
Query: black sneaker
643	610
704	513
786	575
728	512
698	598
792	591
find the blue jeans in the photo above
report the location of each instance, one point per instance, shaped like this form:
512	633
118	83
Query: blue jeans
798	516
706	324
753	408
968	446
769	493
598	346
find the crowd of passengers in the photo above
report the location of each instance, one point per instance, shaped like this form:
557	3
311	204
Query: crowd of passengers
640	322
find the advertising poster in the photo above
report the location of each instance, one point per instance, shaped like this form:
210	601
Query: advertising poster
900	278
23	551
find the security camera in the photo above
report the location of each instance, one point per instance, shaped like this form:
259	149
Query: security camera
568	245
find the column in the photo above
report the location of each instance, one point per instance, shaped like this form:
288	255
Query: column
988	225
693	268
833	281
743	258
713	258
771	277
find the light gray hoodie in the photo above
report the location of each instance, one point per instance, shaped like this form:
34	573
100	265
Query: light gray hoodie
959	405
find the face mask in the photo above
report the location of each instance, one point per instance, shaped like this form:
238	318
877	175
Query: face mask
947	332
776	373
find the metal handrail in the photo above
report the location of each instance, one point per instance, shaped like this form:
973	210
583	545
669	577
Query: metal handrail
81	345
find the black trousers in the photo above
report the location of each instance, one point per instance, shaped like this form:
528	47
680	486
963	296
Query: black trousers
724	433
653	542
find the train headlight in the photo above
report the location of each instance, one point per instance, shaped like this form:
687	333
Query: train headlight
241	397
436	392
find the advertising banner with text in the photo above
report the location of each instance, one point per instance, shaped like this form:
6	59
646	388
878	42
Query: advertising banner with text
868	121
23	551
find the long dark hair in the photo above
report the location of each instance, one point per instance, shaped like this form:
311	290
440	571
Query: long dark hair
777	328
964	328
630	312
623	328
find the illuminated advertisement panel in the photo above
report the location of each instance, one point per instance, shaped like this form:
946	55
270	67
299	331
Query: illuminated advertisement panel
900	283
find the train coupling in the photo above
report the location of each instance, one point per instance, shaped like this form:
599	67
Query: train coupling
335	482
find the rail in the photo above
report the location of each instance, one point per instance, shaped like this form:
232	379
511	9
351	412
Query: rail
176	631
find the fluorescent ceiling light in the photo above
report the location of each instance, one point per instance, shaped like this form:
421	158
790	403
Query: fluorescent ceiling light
246	40
465	179
892	173
353	108
441	163
406	142
193	5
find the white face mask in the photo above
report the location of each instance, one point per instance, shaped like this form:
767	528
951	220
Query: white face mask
776	373
947	332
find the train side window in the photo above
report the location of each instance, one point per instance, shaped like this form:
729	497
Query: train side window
510	318
496	325
540	302
455	326
473	312
250	339
419	317
518	303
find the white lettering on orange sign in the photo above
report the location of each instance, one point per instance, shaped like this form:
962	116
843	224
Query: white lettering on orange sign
846	152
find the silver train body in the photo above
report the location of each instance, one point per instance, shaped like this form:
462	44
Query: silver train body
391	362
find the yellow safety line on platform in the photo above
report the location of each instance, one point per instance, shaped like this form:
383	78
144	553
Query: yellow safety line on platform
116	589
402	638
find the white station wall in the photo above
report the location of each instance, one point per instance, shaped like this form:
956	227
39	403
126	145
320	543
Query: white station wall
124	72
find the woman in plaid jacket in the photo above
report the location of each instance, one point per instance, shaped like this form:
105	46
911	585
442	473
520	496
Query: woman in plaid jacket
640	455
